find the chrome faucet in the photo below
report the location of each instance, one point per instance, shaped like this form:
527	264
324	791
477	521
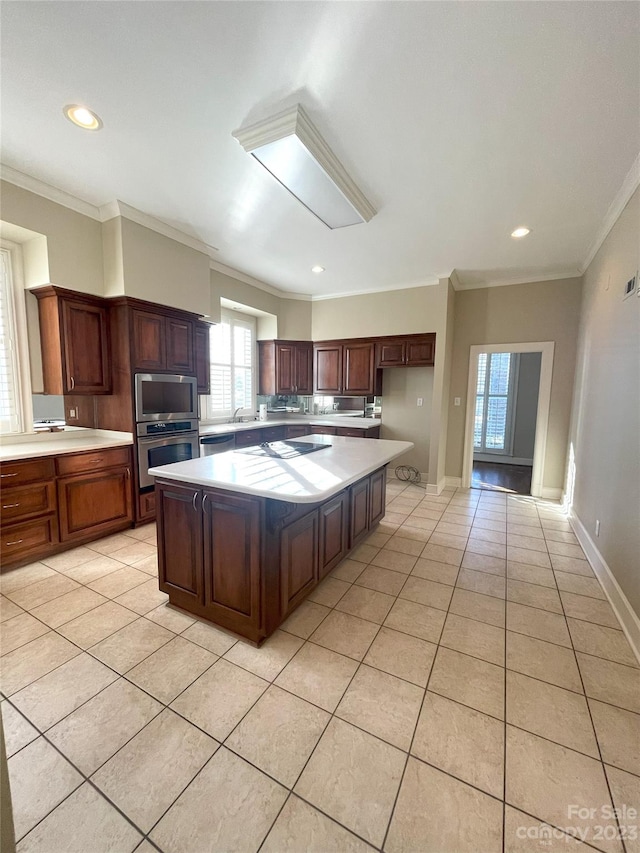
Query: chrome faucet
235	419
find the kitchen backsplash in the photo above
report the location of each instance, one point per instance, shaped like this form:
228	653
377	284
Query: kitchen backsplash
323	405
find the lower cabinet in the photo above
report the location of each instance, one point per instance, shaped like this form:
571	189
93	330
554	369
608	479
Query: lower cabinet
297	431
298	561
180	539
36	538
245	563
94	504
231	561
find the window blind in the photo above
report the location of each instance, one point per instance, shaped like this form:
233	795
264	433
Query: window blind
10	399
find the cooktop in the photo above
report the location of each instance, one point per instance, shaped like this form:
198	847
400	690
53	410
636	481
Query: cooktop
283	449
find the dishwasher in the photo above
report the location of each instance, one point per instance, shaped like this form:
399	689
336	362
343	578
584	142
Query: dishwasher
211	444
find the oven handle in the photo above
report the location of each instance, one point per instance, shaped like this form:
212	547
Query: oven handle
165	439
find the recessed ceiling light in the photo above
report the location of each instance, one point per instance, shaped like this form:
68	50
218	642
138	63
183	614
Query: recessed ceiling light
317	268
83	117
291	148
521	232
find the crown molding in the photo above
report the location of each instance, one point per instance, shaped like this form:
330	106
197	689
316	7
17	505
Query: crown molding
120	208
431	282
531	279
35	185
256	282
629	186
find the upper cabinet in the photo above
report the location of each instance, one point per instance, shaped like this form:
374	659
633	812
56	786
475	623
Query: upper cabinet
162	342
285	367
406	351
74	333
203	357
346	368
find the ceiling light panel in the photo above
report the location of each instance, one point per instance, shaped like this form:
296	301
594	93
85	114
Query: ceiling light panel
290	147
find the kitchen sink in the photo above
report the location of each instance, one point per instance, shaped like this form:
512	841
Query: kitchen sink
283	449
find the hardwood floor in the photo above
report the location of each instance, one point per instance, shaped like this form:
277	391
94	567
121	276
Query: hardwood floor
499	477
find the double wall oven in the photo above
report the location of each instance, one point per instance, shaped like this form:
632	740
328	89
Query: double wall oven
166	421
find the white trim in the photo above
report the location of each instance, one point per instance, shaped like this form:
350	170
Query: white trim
550	493
35	185
629	186
544	403
18	298
120	208
501	459
617	599
452	482
256	282
436	488
530	279
428	282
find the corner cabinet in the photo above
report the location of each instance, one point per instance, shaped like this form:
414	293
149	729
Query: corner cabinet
346	368
74	334
162	342
203	357
285	367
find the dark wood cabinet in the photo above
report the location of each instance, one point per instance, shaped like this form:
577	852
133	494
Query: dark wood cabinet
298	561
406	351
346	368
285	367
333	533
232	561
94	504
298	431
162	342
20	543
248	437
203	357
319	429
378	483
74	334
180	537
359	511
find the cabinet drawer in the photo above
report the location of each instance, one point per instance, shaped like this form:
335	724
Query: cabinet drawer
76	463
297	431
249	437
37	499
354	433
30	539
29	471
323	430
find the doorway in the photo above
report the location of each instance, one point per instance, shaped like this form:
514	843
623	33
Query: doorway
507	417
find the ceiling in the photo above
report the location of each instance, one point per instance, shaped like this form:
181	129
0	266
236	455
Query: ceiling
459	121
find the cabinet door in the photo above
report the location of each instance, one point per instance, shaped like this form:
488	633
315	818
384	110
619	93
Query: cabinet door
87	361
352	432
89	504
358	511
298	560
390	353
297	431
248	437
180	348
334	530
180	542
203	358
323	430
285	368
148	332
304	368
420	352
377	496
327	368
358	369
232	561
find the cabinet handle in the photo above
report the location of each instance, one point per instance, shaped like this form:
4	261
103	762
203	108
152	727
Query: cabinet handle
204	501
73	383
194	501
17	542
9	506
128	473
15	474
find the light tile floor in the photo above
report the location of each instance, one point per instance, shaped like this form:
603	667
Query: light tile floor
460	683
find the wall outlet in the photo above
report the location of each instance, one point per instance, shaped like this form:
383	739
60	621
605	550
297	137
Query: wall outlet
456	401
420	401
73	413
597	527
630	287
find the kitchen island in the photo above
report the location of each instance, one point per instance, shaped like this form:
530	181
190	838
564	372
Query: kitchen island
244	536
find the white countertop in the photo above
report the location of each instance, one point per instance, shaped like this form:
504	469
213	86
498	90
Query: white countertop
308	420
74	440
305	479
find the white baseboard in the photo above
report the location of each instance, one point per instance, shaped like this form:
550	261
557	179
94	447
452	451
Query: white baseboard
453	482
436	488
499	459
617	599
549	494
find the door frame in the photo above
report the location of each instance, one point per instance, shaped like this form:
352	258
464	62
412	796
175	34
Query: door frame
544	404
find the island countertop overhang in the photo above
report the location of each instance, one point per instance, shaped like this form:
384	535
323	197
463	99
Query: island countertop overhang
310	478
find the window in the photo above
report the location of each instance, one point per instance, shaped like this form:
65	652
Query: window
15	386
493	424
232	344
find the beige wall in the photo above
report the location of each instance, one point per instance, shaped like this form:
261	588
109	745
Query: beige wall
541	311
605	431
294	320
162	270
402	419
74	241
